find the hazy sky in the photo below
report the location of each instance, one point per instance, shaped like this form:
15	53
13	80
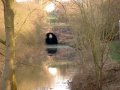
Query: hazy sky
22	0
32	0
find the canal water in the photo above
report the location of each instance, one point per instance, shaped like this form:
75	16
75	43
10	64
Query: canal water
50	78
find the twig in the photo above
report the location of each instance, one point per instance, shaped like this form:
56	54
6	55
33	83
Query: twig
25	21
63	8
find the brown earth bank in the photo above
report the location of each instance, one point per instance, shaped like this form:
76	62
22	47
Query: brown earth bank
86	80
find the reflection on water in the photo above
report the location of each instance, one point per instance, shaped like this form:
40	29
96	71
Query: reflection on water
61	82
52	71
51	78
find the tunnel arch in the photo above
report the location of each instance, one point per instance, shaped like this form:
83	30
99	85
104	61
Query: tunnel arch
51	39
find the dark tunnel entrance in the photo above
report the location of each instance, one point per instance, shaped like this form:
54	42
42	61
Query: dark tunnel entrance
51	39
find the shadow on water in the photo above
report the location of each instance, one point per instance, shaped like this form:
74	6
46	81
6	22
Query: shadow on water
47	78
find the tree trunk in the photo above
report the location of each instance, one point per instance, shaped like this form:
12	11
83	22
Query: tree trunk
8	75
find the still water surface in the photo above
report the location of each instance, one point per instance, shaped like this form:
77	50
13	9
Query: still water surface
50	78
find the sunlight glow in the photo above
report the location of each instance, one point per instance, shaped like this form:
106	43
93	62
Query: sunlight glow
52	70
50	7
24	0
63	0
50	36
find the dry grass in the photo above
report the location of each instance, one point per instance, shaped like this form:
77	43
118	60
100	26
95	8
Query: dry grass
86	80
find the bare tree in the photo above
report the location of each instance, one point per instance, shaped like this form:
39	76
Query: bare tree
8	75
94	28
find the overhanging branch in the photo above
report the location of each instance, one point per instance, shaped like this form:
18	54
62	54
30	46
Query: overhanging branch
17	33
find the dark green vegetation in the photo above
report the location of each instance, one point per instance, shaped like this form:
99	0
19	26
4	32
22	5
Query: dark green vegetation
115	50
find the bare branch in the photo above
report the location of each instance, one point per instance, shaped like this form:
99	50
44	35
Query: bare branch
2	54
63	8
3	1
25	21
3	42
